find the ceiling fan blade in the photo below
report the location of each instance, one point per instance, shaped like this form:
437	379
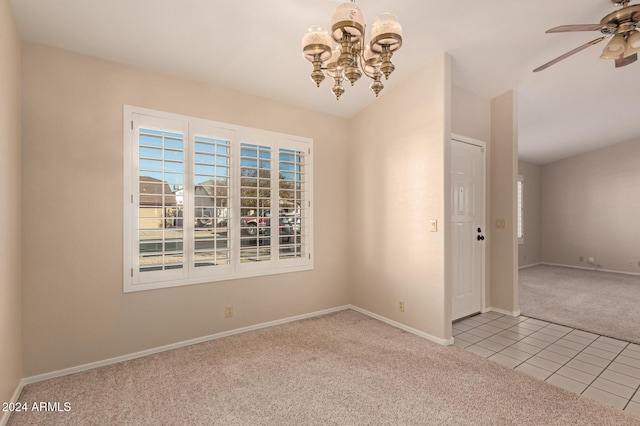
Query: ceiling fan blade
583	27
622	62
572	52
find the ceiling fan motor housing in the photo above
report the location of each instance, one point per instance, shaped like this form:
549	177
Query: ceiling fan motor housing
625	19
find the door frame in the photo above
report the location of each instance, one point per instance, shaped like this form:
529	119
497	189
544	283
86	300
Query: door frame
483	150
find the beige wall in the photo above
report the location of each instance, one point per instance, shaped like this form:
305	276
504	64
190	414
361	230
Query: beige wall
470	115
503	287
590	206
372	244
74	309
529	253
11	211
399	153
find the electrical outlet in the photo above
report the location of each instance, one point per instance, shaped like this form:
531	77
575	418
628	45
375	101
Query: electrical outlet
581	259
592	260
401	305
228	311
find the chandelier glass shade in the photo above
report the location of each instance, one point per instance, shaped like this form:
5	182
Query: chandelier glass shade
342	52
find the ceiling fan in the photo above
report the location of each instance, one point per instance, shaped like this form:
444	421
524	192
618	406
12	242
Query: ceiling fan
622	25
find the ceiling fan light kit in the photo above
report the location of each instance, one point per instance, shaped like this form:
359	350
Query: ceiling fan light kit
621	26
342	52
615	48
633	44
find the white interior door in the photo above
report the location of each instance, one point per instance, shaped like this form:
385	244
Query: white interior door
467	225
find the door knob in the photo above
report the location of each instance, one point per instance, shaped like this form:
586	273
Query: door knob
480	237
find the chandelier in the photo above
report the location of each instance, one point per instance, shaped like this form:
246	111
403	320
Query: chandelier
343	53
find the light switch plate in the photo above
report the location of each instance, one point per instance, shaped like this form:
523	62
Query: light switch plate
434	225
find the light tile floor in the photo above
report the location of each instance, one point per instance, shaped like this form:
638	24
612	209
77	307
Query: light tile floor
601	368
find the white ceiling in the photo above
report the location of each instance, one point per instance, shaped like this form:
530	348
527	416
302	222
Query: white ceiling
254	46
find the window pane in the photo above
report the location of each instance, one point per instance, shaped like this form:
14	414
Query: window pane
292	229
255	202
211	201
206	170
160	180
212	258
151	263
151	165
150	153
151	247
150	140
203	158
174	143
174	180
173	155
173	167
255	254
223	150
520	224
223	160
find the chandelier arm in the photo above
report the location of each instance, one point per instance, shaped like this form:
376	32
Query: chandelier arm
363	67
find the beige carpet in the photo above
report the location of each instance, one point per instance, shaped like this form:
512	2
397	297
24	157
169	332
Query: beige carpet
599	302
339	369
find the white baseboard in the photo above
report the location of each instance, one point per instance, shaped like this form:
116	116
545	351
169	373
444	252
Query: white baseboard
443	342
529	266
14	398
110	361
115	360
591	269
505	312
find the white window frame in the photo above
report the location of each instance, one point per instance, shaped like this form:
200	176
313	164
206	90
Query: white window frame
189	274
520	209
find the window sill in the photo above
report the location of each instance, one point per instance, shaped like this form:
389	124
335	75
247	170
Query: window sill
131	288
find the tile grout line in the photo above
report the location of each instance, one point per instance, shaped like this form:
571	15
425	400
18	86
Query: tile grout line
603	370
633	395
597	375
554	342
531	356
637	392
499	352
540	330
627	344
518	340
